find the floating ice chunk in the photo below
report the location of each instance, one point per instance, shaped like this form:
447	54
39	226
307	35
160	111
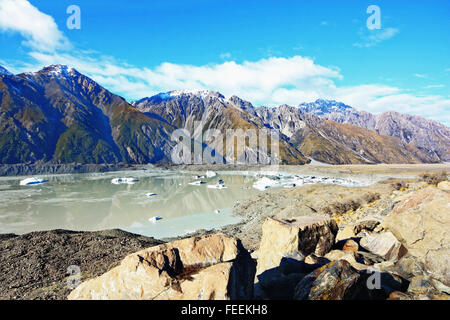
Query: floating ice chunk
196	183
32	181
217	186
210	174
290	185
264	183
124	180
154	219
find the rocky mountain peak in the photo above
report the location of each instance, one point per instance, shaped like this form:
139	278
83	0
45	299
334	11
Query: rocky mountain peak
4	71
323	106
58	70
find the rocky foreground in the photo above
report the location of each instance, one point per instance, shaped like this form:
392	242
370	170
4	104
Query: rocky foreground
388	241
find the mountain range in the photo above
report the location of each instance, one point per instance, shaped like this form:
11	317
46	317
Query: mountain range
58	115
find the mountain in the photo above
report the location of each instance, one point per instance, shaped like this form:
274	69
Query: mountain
3	71
429	136
183	108
336	143
60	115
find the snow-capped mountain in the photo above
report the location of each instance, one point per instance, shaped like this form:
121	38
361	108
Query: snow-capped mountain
427	135
186	109
4	71
59	115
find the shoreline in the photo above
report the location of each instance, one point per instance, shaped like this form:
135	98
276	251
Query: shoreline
11	170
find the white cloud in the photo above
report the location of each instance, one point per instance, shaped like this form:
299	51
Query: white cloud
420	75
432	86
39	29
371	38
269	82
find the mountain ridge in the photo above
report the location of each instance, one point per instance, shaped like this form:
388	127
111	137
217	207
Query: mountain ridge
60	115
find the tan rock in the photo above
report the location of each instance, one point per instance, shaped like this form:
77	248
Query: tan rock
421	286
422	223
301	234
385	245
335	255
352	230
346	233
444	185
348	256
313	259
397	295
208	267
350	245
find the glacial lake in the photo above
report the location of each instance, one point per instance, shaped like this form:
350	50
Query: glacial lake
90	202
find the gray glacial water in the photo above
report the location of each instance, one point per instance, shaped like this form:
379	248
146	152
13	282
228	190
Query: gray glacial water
90	202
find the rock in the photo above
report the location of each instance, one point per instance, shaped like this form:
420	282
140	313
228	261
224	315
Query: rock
397	295
352	230
348	256
335	255
422	287
330	282
384	266
421	222
440	286
407	267
369	225
385	245
346	233
301	234
369	258
313	259
350	245
437	264
209	267
444	185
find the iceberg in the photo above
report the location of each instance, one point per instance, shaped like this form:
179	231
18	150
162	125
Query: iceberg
217	186
264	183
196	183
32	181
124	180
154	219
210	174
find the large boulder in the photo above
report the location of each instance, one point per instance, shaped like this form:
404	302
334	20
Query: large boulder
304	235
209	267
352	230
421	221
444	185
385	245
333	281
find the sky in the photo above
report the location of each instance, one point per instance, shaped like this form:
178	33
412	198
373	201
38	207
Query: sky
266	52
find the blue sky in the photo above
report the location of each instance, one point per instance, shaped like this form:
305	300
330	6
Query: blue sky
268	52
